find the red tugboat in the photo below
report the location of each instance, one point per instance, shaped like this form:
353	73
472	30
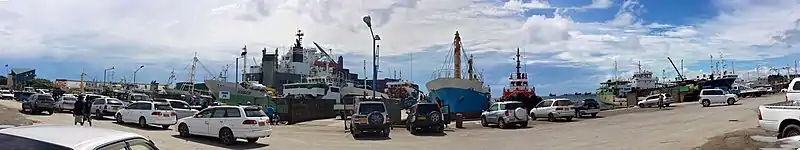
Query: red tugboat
519	90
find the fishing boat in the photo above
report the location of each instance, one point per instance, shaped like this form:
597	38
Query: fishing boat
518	88
467	96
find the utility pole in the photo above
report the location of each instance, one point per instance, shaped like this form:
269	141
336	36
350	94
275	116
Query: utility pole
83	84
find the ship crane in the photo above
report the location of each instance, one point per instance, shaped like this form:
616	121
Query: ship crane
676	69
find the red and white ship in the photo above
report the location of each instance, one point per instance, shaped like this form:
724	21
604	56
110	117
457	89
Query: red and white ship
518	89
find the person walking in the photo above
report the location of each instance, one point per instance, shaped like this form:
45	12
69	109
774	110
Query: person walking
77	111
661	102
87	111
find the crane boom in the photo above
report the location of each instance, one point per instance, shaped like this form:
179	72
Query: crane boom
325	53
676	69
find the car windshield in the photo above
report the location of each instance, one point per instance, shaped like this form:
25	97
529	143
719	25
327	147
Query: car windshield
140	98
426	108
563	103
20	143
114	101
254	112
370	107
512	106
45	97
160	106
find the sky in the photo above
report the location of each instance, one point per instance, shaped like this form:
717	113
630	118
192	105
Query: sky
567	45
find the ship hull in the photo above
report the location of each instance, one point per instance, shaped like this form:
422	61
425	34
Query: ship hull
462	96
236	94
724	83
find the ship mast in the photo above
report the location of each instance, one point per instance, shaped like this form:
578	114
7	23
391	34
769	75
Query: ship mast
519	74
191	73
469	68
457	56
244	62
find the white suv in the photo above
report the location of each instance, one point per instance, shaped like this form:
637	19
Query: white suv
504	113
716	96
146	113
105	106
554	108
6	94
228	123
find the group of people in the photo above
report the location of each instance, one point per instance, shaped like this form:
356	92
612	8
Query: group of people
82	111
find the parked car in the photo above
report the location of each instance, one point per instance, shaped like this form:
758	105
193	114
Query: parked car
228	123
504	114
425	117
782	117
105	106
146	113
180	107
91	97
553	109
46	137
587	106
22	95
652	100
6	94
66	102
37	103
716	96
370	116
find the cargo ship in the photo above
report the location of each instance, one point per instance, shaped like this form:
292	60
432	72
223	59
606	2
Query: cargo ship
461	95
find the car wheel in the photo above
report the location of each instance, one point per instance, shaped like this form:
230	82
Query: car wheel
594	114
98	115
441	129
484	122
731	101
706	103
789	131
118	118
501	124
412	129
183	130
533	117
32	110
142	122
252	140
666	105
165	126
51	111
569	118
386	132
641	105
523	124
551	118
226	136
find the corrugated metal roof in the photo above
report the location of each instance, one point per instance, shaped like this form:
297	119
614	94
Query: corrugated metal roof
20	70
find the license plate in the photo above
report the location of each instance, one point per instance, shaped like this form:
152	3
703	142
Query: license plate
261	124
422	118
115	108
166	115
361	120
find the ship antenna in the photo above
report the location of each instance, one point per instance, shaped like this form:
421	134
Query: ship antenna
518	73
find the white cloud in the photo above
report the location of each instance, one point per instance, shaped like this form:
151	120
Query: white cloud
168	32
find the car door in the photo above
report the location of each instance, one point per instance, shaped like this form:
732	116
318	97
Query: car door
198	124
543	109
719	96
490	115
132	113
182	109
216	122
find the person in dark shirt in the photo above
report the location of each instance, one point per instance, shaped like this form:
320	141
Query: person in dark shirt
87	111
77	111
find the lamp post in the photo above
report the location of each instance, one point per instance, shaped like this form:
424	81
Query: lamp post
134	74
104	74
368	20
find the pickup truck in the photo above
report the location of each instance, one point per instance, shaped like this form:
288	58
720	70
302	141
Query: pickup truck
782	117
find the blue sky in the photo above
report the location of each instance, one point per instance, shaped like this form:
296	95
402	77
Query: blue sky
568	45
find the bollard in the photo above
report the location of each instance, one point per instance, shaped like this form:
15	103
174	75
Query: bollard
459	121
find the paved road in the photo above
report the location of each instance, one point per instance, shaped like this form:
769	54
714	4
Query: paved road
681	127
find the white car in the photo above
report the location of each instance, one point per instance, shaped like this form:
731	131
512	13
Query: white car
6	94
46	137
180	107
552	109
228	123
652	100
105	106
146	113
65	103
505	113
716	96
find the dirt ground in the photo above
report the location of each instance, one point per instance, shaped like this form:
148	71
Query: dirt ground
739	140
12	117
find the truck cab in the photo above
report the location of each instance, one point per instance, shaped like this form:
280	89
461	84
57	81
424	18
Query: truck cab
782	117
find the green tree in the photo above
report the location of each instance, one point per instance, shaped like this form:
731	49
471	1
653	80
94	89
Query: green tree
38	84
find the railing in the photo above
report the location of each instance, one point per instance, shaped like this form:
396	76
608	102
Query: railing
442	73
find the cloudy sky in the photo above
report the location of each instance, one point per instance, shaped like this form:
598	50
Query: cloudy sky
568	45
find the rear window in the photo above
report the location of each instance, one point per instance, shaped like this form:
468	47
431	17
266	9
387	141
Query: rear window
163	107
45	97
114	102
427	108
590	101
563	103
370	107
71	98
178	105
512	106
20	143
254	112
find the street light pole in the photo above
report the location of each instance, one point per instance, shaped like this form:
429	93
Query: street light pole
368	20
104	74
134	74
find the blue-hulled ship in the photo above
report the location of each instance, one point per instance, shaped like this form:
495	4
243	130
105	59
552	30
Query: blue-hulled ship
461	94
